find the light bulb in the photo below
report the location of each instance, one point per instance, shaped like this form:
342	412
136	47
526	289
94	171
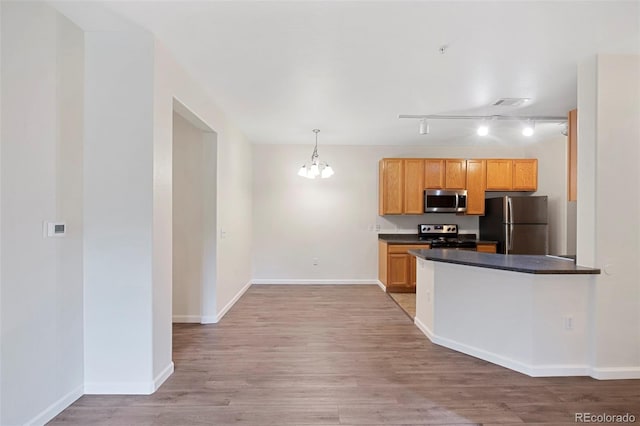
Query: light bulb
315	171
527	130
327	172
483	130
303	171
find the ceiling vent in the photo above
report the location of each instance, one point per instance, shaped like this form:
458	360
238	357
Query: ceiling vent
512	102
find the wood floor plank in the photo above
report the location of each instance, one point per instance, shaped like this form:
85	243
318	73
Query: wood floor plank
340	355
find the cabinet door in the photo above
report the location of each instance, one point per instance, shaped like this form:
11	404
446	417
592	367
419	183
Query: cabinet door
414	186
455	174
476	182
398	274
434	173
499	175
525	175
486	247
391	186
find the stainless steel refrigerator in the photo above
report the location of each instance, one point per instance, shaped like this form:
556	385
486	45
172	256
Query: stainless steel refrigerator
519	224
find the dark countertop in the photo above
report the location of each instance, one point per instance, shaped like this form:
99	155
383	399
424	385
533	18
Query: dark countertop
530	264
413	239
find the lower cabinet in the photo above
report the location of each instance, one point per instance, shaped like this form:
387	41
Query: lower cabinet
486	247
396	267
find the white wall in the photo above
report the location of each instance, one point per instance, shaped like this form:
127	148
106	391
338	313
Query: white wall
608	176
232	247
42	343
296	220
552	182
188	220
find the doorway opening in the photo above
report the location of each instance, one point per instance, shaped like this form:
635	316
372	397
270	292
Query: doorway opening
194	185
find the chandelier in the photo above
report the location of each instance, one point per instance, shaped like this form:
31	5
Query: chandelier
316	167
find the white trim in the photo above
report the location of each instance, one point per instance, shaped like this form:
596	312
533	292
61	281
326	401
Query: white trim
164	375
612	373
382	286
423	327
315	281
187	319
119	388
512	364
208	319
232	302
56	408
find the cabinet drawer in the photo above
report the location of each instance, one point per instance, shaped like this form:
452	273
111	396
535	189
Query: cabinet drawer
404	248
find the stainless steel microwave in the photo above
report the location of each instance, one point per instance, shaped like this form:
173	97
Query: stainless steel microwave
445	201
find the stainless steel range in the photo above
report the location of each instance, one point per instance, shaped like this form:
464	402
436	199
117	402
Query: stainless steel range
446	236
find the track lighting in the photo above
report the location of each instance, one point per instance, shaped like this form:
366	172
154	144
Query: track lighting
483	129
424	127
527	130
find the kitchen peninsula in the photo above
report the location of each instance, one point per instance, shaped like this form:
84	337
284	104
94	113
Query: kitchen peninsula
526	313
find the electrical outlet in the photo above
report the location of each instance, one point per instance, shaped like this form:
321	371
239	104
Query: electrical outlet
377	228
315	261
568	322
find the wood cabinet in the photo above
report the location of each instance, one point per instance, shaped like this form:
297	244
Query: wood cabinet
525	175
476	183
512	174
413	186
396	267
499	175
402	181
487	247
440	173
391	186
572	140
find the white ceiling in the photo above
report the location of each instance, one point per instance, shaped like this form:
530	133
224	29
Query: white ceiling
280	69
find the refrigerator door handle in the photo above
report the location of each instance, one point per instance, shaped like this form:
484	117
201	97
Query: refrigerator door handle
509	210
509	239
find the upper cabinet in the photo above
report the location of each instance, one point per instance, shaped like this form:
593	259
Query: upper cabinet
512	174
476	184
413	186
391	186
442	173
402	181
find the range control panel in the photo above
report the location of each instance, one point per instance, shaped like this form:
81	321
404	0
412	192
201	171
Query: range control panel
438	229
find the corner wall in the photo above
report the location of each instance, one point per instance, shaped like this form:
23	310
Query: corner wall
41	154
608	208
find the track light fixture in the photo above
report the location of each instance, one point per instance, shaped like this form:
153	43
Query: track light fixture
527	130
424	127
483	129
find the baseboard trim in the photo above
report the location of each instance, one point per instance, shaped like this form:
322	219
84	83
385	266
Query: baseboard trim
512	364
56	408
232	302
615	373
119	388
164	375
315	281
382	286
423	327
187	319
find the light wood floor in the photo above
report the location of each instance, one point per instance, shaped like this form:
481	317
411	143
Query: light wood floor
328	355
406	301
